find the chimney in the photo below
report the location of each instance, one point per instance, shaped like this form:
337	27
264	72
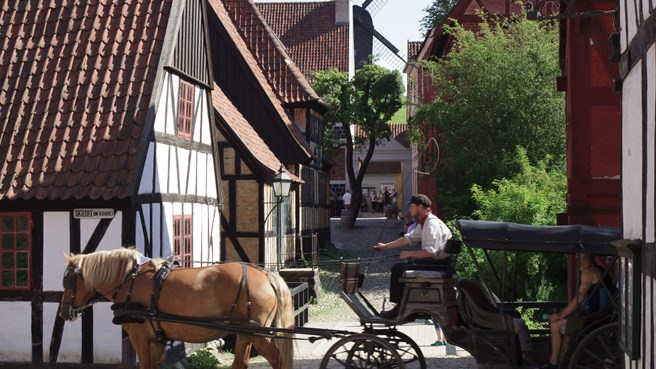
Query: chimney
342	10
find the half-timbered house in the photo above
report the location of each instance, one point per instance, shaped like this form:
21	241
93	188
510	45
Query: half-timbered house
107	140
636	44
318	35
253	69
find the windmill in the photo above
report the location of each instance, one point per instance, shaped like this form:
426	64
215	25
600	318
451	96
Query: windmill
368	41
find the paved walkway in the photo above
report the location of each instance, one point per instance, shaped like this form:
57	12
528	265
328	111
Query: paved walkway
308	355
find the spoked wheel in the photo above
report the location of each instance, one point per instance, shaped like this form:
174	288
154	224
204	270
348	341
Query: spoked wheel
362	351
409	351
599	350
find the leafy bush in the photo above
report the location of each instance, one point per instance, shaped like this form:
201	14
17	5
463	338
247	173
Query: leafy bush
201	359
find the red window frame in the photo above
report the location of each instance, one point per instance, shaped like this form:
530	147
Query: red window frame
185	109
183	240
15	251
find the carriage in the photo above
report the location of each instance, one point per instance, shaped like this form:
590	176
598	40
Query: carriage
473	317
469	314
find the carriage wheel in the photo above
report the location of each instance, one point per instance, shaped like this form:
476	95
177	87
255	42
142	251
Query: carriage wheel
362	351
409	351
599	350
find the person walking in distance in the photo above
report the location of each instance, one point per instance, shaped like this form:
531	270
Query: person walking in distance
347	199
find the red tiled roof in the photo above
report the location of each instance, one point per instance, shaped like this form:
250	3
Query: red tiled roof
241	130
75	87
222	14
285	77
399	132
308	31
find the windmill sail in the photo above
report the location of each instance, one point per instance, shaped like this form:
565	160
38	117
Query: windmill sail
368	41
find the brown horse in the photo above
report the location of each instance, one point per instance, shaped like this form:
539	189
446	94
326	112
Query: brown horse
220	293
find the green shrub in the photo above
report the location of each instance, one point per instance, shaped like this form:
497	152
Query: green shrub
201	359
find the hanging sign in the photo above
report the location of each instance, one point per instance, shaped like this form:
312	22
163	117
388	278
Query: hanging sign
93	213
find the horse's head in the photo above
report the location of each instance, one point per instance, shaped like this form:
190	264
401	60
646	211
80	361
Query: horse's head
77	295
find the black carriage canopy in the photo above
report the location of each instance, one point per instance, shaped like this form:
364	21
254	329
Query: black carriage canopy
567	239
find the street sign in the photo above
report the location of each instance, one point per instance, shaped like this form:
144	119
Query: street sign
93	213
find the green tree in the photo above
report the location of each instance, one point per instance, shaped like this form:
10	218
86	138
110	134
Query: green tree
435	14
496	90
368	100
532	196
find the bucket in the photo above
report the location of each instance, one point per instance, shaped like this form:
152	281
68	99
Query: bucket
347	218
351	278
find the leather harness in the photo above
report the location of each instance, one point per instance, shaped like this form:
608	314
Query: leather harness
134	312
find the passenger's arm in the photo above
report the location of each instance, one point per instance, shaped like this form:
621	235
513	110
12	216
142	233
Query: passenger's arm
586	282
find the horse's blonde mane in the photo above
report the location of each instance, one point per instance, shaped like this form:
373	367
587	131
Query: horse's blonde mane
103	268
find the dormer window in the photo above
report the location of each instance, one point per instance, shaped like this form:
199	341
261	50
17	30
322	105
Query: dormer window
185	109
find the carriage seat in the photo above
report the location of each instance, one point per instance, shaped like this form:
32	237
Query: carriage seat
476	310
442	269
494	340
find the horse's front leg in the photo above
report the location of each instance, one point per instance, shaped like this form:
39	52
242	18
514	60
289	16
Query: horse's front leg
149	353
242	352
157	354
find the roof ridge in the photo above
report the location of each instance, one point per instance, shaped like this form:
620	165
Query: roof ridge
221	11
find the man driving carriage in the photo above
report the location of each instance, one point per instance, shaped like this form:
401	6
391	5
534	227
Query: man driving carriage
433	235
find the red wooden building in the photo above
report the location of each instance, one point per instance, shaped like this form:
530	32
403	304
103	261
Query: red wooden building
593	114
420	90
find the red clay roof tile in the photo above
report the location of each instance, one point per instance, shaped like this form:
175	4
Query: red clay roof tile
286	79
308	31
220	10
76	79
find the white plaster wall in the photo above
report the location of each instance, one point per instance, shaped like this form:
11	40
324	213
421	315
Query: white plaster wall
632	154
628	11
167	217
108	342
648	321
651	129
70	350
167	106
112	238
146	184
646	7
16	339
204	129
107	337
56	242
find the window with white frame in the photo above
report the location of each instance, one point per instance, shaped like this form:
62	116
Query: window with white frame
182	239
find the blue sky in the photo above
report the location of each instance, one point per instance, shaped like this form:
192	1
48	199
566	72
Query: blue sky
398	20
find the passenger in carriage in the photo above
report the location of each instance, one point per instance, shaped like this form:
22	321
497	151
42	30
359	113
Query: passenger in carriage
433	235
589	299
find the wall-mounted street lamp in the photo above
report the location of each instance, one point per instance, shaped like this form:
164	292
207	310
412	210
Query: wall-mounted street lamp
282	185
